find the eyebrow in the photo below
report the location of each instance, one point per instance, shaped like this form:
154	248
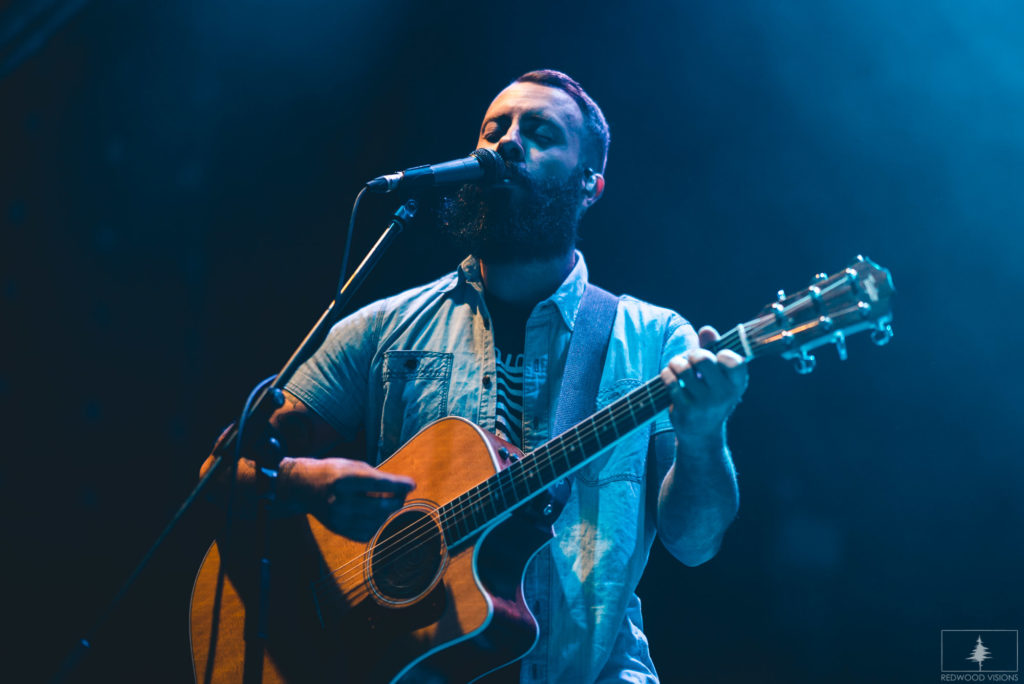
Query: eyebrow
531	116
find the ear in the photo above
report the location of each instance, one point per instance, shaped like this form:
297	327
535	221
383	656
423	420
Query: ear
593	187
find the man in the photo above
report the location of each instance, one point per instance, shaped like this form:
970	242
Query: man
489	343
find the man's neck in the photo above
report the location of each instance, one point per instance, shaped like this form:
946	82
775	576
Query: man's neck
526	283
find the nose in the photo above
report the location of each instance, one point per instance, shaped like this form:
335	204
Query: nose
510	148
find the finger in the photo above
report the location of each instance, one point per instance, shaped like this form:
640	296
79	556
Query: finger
700	361
712	376
671	379
734	368
707	335
729	358
679	364
375	481
368	504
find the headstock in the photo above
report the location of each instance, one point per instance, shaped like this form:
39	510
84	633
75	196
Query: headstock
832	308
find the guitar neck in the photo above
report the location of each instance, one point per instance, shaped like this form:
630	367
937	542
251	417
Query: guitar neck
539	469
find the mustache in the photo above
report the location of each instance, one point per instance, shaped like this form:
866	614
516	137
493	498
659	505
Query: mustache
515	172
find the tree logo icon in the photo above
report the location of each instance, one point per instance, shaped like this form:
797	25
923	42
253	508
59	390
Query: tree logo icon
989	652
979	654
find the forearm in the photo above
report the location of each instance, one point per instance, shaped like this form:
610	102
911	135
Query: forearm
289	496
307	438
698	499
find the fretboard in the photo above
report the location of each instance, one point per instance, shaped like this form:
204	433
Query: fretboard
542	467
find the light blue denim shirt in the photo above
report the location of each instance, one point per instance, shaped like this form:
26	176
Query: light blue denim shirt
398	364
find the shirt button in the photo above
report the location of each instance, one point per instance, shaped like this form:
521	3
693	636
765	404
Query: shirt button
411	364
487	382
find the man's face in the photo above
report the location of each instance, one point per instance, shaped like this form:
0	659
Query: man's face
537	129
533	213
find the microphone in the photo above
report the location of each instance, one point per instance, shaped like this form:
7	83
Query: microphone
483	165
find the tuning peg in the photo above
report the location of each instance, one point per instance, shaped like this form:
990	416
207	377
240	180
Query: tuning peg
882	334
804	363
839	339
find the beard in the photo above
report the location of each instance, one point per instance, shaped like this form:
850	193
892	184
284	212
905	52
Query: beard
525	221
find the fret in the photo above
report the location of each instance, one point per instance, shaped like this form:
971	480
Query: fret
582	447
589	448
446	528
505	487
476	515
442	515
594	432
545	464
461	526
531	477
513	479
488	497
573	448
615	428
629	405
500	480
469	507
453	522
563	452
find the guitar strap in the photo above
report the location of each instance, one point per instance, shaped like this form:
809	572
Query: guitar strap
583	364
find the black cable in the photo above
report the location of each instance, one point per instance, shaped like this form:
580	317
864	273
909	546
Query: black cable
348	241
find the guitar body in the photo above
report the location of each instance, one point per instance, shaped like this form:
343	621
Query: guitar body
380	611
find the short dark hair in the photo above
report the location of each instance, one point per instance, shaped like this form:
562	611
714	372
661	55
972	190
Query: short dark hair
597	137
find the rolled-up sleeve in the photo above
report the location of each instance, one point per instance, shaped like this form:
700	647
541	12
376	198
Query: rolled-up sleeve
334	381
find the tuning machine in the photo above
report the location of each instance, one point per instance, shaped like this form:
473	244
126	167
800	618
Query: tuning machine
804	363
882	334
839	339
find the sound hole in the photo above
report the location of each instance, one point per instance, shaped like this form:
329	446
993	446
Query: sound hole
407	556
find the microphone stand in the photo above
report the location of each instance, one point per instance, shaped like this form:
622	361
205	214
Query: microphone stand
267	453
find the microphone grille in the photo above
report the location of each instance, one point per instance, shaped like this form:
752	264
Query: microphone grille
492	164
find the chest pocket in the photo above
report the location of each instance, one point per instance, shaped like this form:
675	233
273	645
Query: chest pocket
415	394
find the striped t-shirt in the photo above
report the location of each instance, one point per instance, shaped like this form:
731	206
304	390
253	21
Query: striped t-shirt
508	419
509	324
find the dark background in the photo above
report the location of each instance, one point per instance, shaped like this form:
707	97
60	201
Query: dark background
175	182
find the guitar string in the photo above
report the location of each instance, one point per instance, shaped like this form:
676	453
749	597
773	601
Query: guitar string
459	510
399	544
536	462
430	529
403	543
485	495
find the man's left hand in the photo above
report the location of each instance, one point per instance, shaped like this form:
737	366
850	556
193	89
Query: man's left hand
705	388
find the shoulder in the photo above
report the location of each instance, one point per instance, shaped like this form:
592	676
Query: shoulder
411	300
367	324
417	297
651	322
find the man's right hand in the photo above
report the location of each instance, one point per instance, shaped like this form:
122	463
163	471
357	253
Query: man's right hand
350	498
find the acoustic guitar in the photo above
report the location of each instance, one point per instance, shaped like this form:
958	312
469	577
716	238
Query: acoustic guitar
436	595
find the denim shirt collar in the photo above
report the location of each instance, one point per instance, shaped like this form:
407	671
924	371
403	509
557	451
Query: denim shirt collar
566	299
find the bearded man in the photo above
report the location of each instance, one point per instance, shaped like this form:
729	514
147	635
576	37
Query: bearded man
489	343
